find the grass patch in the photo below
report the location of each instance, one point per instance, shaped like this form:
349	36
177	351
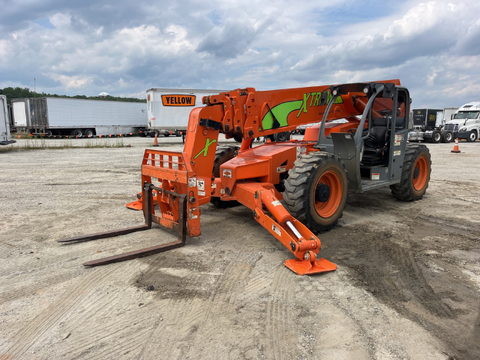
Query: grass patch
41	144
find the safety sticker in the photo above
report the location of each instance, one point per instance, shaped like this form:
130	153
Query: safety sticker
276	230
281	169
227	173
397	153
201	185
398	140
375	176
192	182
301	150
201	193
192	215
276	203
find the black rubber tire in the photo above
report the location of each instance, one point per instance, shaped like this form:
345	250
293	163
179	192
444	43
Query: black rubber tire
77	132
166	134
447	136
472	136
49	133
89	132
436	137
405	190
300	188
282	137
222	155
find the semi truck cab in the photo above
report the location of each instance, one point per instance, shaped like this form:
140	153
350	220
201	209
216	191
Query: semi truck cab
466	122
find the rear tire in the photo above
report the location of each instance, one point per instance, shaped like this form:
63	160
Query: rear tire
222	155
89	133
77	132
447	137
417	166
316	190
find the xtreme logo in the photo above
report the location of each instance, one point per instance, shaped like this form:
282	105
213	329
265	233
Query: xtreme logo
278	115
316	99
204	151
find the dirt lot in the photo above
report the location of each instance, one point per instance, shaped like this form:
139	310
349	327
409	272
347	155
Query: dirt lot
407	286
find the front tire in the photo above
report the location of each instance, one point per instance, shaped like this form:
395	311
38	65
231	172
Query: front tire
472	136
316	190
436	137
417	166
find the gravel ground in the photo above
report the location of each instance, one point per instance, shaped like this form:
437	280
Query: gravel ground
407	285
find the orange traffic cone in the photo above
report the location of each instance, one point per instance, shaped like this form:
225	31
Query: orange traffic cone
455	148
155	142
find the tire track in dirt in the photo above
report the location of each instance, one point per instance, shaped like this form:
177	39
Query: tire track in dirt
192	306
388	264
50	317
278	333
110	336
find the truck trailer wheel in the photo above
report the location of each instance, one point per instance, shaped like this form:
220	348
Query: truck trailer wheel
417	166
89	133
436	137
472	136
282	137
77	133
316	190
222	155
447	137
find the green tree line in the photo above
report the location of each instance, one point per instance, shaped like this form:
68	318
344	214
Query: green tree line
17	92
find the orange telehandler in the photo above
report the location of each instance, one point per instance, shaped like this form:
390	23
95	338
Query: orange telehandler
366	150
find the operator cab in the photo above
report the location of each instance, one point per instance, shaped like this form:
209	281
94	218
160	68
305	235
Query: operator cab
370	153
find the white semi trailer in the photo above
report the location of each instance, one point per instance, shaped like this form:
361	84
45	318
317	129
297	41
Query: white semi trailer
51	116
21	114
466	122
168	109
4	122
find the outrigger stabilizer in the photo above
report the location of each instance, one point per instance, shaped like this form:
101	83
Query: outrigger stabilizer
179	211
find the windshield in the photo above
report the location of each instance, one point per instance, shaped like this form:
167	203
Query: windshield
466	115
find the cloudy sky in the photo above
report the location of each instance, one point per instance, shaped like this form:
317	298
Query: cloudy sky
126	47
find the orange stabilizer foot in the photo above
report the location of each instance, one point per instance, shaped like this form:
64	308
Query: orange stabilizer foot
136	205
307	267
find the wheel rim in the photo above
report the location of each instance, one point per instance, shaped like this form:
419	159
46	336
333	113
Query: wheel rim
437	137
473	136
420	173
328	194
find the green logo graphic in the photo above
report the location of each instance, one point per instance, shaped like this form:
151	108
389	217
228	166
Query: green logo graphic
205	149
278	115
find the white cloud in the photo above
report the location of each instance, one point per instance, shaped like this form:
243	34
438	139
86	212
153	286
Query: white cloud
130	47
72	82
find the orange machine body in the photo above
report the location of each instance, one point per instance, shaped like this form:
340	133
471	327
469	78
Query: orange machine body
252	177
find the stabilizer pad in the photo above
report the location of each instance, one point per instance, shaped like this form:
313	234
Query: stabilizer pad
305	267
